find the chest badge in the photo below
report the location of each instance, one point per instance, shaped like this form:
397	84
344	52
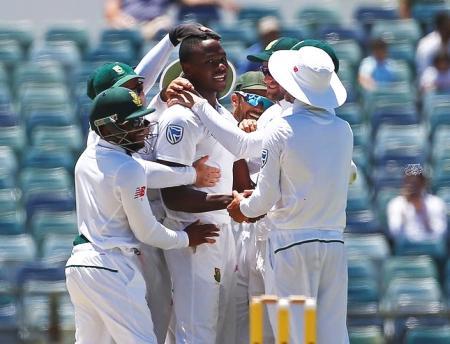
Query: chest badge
174	133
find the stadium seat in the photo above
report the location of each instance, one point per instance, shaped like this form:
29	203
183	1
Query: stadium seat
316	17
425	14
362	221
8	159
362	267
19	32
397	30
11	53
10	245
14	137
44	179
430	335
12	222
51	200
361	134
69	33
48	222
363	296
441	174
64	52
9	199
408	267
244	34
69	137
373	246
254	13
366	335
39	73
361	159
358	197
56	248
436	248
348	50
48	157
9	322
439	116
121	51
351	112
398	114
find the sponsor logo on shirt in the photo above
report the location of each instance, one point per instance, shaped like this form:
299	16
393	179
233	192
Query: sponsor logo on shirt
174	133
264	156
140	192
217	275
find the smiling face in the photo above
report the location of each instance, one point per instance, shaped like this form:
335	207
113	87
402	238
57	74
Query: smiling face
207	67
274	91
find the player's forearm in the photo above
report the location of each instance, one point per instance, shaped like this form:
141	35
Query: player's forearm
236	141
162	176
185	199
153	62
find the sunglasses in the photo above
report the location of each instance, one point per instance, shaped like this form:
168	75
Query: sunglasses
265	70
256	100
139	87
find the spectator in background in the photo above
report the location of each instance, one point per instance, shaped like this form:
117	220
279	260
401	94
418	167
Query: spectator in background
436	78
437	40
377	69
204	11
268	31
416	215
149	16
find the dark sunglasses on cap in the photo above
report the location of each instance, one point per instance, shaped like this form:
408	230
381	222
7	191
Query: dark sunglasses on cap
256	100
265	70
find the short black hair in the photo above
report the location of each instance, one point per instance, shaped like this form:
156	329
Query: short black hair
378	43
189	44
441	20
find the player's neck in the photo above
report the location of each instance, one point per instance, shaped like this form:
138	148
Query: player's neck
210	96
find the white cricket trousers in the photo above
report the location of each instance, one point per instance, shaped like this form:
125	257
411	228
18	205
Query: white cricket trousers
108	293
251	252
312	263
203	289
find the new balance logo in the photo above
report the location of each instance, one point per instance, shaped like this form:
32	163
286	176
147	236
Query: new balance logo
140	192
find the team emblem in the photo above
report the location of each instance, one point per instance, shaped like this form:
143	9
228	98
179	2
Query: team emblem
264	156
119	70
174	133
136	99
217	275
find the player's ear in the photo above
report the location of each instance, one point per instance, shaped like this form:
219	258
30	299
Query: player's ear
187	70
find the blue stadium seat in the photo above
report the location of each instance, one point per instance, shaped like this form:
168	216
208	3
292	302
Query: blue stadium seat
8	159
373	246
10	245
51	200
56	248
366	335
348	50
14	137
45	179
360	267
133	36
9	199
39	73
316	17
254	13
430	335
425	14
242	33
69	137
12	222
359	197
439	115
18	32
65	33
48	157
11	53
409	267
436	248
361	159
398	114
363	296
397	30
48	222
351	112
121	51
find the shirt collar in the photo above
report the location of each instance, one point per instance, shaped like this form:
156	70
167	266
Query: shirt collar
105	144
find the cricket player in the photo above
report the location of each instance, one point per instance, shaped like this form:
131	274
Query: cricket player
141	80
103	275
203	279
303	187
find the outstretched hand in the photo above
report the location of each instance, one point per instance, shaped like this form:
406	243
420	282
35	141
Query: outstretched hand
175	87
206	175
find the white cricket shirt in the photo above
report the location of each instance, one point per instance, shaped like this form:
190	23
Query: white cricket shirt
183	139
112	206
306	163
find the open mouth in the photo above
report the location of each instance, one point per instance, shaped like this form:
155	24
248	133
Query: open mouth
220	77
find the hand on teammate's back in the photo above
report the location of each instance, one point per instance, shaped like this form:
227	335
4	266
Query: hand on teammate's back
206	175
182	31
201	233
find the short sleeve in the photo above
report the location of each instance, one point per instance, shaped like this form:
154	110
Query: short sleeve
179	133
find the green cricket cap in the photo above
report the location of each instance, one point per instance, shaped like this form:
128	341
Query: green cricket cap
117	104
109	75
321	45
282	43
250	81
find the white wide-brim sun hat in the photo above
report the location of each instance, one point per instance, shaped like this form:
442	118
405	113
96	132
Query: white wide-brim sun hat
308	75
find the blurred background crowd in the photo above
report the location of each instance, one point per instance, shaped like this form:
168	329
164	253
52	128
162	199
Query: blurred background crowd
394	61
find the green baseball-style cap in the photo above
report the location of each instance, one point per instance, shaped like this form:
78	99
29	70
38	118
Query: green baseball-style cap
282	43
109	75
116	105
250	81
321	45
